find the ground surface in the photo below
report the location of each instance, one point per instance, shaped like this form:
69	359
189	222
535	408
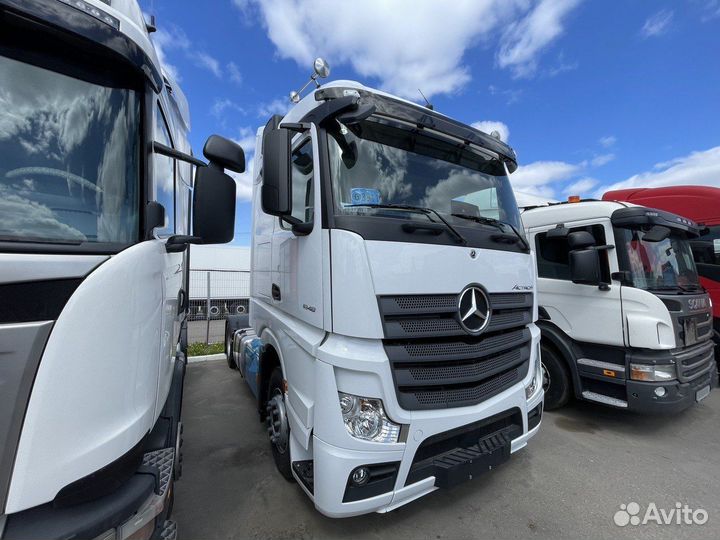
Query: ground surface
568	483
198	331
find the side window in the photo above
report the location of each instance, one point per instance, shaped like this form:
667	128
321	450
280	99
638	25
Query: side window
553	254
164	176
302	182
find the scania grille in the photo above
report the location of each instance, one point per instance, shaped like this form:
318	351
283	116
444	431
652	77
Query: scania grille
693	362
436	364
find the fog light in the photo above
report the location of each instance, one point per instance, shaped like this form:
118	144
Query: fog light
660	391
360	476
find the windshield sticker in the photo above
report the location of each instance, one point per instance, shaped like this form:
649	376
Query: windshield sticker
364	196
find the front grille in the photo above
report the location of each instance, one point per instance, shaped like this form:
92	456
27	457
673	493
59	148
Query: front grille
436	364
694	361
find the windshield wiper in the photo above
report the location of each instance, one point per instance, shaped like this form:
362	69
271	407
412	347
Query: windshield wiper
498	224
422	210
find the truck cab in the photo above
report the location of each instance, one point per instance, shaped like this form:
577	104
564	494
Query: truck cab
702	205
624	319
96	189
392	348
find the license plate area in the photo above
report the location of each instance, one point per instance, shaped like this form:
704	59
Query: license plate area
702	393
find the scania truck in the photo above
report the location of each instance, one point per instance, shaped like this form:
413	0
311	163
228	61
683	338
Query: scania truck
391	345
95	197
623	317
702	205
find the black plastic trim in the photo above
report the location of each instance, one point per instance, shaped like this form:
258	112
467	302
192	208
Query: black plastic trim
30	301
382	480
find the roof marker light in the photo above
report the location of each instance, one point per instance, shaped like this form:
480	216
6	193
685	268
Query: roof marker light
574	198
91	10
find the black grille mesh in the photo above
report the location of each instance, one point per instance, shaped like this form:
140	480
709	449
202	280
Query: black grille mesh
437	364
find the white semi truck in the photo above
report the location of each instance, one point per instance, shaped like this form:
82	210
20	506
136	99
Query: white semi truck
95	195
624	320
392	348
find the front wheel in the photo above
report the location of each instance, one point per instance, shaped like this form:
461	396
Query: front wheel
279	425
556	379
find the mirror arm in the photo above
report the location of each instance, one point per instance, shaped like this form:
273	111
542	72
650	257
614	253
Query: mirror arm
164	150
299	228
179	242
298	127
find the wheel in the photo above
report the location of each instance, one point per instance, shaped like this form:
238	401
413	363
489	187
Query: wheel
278	425
229	332
556	379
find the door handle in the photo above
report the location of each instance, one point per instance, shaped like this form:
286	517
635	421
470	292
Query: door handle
276	292
182	302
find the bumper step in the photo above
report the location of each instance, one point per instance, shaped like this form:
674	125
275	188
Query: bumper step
169	531
607	400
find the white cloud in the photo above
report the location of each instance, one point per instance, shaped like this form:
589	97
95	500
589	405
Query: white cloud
523	40
234	73
172	37
602	159
511	95
409	45
697	168
205	61
581	187
220	106
276	106
541	177
244	181
607	141
657	24
488	126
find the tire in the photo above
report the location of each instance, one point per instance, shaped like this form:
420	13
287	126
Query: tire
556	379
281	453
229	332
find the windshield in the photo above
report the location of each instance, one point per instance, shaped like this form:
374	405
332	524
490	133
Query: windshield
69	158
667	264
378	162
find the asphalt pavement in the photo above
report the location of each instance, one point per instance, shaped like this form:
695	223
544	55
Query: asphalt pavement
569	482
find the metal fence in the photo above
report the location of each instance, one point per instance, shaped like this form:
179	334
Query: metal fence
215	294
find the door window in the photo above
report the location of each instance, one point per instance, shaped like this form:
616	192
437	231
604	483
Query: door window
553	259
164	176
302	182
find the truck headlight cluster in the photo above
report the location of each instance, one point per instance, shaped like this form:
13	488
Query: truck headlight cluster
365	419
536	382
652	373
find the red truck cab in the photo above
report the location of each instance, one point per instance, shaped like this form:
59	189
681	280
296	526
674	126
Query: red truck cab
702	205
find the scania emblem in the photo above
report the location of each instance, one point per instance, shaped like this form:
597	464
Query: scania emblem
473	309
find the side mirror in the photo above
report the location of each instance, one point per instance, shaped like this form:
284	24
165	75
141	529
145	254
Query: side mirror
276	175
585	266
224	154
558	232
213	206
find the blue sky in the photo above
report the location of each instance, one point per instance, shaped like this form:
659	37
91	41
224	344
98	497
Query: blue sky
591	94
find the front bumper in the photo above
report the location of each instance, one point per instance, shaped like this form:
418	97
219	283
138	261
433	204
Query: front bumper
336	454
678	397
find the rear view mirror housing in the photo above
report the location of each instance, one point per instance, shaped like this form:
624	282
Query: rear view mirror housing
213	206
276	192
223	153
585	266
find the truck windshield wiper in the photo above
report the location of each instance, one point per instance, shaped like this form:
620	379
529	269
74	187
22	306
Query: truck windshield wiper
422	210
498	224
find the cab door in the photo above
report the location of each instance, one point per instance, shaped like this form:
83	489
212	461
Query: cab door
297	259
173	194
585	313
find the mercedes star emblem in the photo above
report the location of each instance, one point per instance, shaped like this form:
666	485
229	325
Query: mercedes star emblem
473	309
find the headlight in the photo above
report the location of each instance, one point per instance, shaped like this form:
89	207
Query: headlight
365	419
536	382
648	372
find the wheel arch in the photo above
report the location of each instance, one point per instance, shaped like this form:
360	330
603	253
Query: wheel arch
557	339
270	358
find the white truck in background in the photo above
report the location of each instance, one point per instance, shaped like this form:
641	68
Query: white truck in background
96	188
390	344
623	317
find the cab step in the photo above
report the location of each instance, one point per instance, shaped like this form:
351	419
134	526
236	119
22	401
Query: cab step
169	531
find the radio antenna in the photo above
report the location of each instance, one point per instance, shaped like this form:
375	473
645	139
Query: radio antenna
427	103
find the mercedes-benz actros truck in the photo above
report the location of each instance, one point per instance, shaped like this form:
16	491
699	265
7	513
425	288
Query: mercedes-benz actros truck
96	194
391	348
624	320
